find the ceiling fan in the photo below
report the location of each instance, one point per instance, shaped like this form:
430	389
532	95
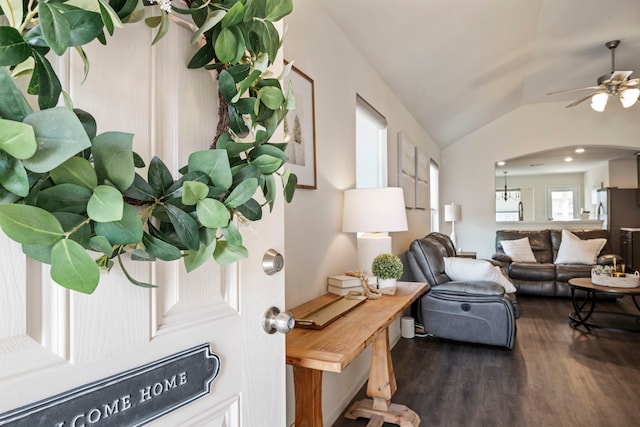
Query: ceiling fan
615	83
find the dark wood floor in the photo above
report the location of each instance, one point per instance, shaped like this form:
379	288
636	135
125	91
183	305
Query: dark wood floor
554	376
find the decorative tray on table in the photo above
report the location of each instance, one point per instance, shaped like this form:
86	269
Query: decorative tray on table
327	313
620	280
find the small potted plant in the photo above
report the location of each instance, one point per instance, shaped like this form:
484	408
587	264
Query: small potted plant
388	268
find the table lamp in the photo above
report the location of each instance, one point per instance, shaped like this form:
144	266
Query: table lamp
453	213
373	212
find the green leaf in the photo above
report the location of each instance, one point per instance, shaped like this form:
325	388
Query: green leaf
17	139
234	15
212	213
76	170
45	82
185	226
55	27
13	106
226	45
109	16
193	192
232	234
160	249
267	164
141	190
76	226
101	244
88	122
203	56
251	210
278	9
106	204
194	259
214	163
84	26
213	18
73	268
225	253
41	253
271	96
13	11
13	48
126	231
13	176
59	134
30	225
289	186
64	198
243	192
227	84
159	176
113	158
269	190
130	278
164	28
236	122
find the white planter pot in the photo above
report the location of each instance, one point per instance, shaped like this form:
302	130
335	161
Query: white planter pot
386	283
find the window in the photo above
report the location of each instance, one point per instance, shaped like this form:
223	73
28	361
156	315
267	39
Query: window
562	203
434	173
371	146
507	210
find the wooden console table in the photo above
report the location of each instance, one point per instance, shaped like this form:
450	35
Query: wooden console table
333	348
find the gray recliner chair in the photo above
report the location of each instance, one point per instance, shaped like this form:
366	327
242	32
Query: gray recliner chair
472	311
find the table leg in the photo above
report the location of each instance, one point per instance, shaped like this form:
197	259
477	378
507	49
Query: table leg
308	394
381	386
577	317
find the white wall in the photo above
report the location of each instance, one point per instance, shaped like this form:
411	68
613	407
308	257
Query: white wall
467	166
315	245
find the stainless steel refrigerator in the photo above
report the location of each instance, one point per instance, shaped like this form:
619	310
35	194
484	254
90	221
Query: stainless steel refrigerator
617	207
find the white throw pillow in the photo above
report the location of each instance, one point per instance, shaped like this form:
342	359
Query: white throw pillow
467	269
518	250
574	250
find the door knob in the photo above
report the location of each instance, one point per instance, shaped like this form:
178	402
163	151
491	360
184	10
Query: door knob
276	321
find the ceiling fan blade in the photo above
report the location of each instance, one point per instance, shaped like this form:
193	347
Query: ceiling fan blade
632	82
620	76
577	89
584	98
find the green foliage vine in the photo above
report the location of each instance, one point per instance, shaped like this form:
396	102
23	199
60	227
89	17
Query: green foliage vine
73	198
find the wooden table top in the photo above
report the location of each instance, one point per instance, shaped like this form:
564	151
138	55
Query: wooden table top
339	343
585	283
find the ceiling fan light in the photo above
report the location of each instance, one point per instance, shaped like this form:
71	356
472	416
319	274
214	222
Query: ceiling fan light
629	96
599	101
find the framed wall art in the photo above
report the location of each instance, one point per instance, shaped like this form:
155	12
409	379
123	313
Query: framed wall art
300	130
422	179
407	170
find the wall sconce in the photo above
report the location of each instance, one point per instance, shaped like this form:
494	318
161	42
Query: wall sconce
372	212
453	213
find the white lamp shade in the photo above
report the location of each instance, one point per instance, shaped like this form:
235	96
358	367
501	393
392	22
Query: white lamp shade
452	212
629	96
599	101
372	210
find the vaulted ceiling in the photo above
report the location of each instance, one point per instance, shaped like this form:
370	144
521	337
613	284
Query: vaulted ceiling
459	64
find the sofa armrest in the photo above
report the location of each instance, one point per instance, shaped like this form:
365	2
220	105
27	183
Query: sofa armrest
502	258
475	287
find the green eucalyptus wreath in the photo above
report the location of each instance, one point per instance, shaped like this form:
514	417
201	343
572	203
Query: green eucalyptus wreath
68	194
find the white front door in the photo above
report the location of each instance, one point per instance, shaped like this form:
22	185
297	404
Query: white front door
53	340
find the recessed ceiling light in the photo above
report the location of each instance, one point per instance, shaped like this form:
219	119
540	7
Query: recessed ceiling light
579	150
568	159
501	163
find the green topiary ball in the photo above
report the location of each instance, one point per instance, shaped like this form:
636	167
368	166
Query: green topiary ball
387	266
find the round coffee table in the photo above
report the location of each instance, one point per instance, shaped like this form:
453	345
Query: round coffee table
584	307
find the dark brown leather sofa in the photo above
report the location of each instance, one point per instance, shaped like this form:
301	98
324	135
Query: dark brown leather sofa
545	277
